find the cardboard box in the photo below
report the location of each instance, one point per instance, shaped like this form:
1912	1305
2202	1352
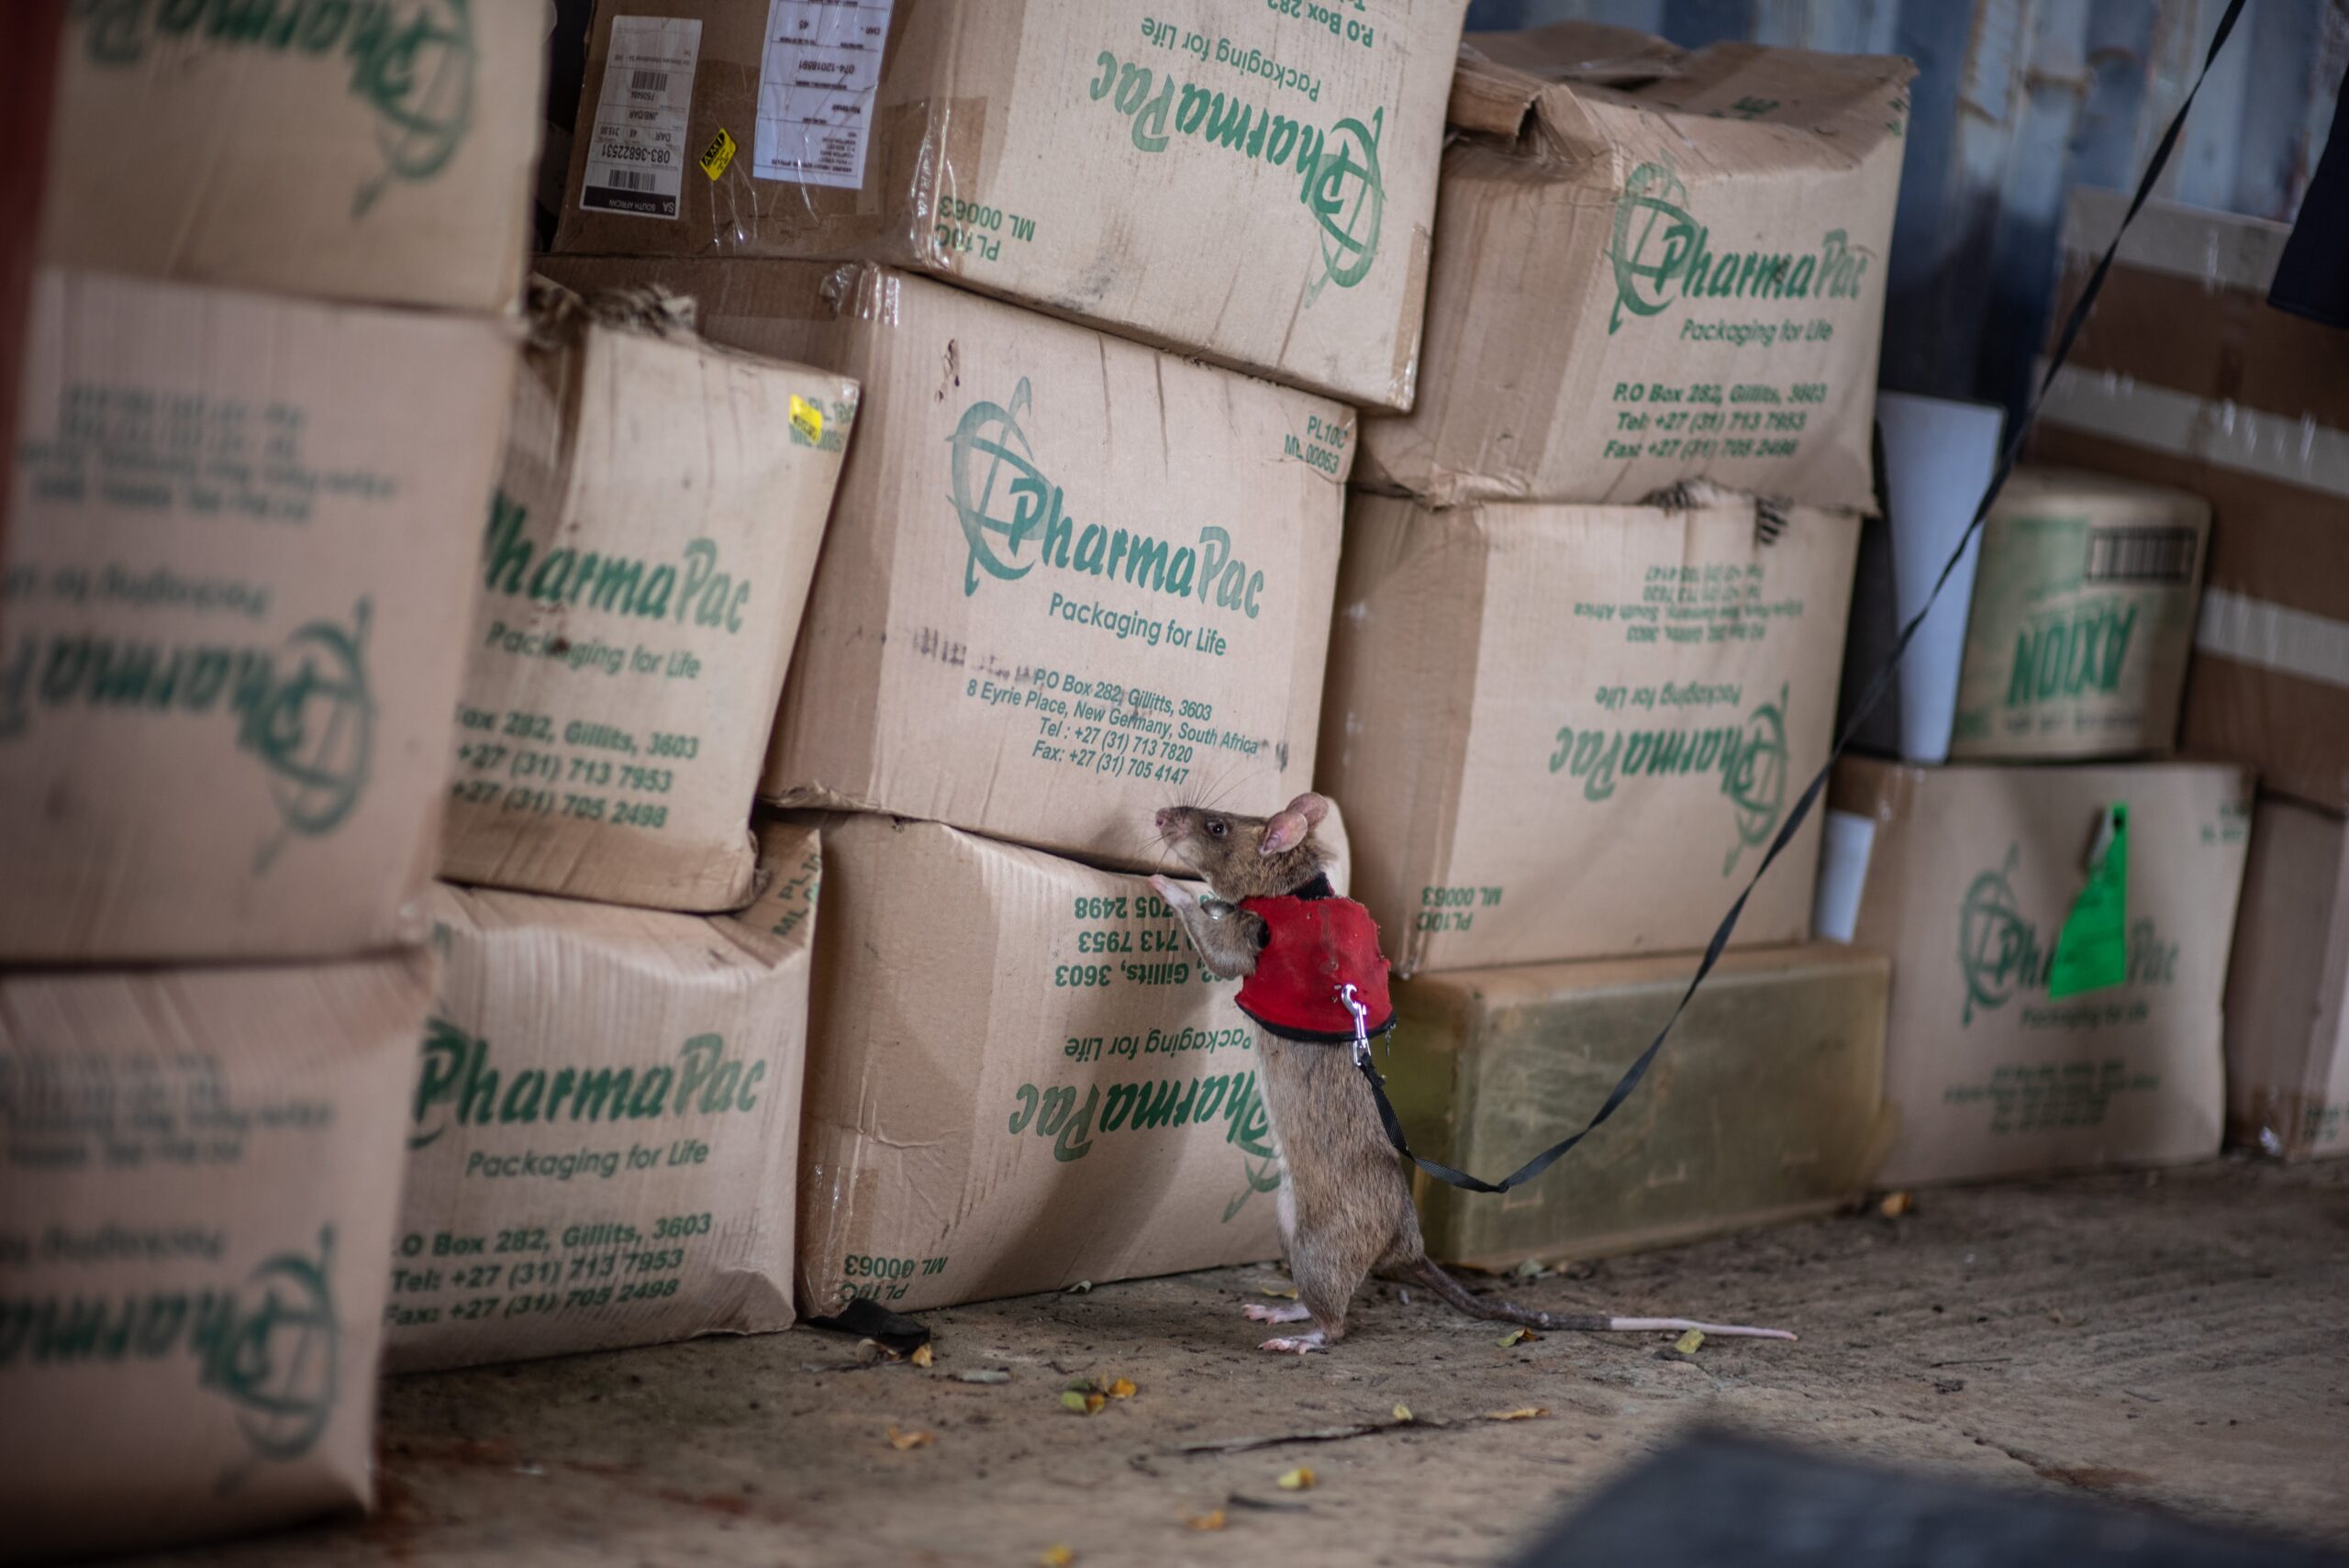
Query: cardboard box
1965	878
649	552
2082	618
237	582
1067	577
1650	269
203	1176
2287	1057
605	1134
1250	182
1572	731
2186	377
377	153
1767	1104
1021	1077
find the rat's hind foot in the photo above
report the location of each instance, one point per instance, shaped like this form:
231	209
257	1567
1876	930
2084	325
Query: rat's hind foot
1299	1346
1292	1312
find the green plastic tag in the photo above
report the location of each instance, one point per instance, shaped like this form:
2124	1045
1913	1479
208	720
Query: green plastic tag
2092	952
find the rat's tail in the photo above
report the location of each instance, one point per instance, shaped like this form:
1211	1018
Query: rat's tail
1499	1311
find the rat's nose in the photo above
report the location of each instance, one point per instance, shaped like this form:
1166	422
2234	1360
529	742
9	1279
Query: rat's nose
1165	818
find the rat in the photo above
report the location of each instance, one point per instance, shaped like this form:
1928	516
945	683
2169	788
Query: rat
1276	924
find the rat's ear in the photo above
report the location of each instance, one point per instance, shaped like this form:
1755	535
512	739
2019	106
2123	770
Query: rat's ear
1311	807
1284	831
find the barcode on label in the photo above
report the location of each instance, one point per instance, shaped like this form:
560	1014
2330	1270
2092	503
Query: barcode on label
628	180
2141	555
648	81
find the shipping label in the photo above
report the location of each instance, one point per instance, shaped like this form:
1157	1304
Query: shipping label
820	75
636	152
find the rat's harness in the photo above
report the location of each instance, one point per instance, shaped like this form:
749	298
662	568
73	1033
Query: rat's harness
1320	979
1320	976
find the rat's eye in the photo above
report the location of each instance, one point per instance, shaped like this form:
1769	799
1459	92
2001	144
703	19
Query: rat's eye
1217	826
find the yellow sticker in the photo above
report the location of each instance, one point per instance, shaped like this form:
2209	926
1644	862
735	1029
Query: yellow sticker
807	418
717	154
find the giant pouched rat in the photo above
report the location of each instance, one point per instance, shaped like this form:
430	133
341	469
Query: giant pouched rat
1345	1210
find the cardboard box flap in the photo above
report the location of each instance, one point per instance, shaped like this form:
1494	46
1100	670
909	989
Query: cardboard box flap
1808	110
556	312
1501	76
1840	99
759	938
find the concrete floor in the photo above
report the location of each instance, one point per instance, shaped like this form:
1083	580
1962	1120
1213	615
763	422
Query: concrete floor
2170	1342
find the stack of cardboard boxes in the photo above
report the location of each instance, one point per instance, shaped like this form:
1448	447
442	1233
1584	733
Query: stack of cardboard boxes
1571	697
256	433
2187	377
605	1127
2058	899
1072	574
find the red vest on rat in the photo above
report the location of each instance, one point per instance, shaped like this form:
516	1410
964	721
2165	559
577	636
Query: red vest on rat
1312	947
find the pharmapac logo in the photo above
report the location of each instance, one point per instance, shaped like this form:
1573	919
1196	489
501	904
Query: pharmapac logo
457	1086
991	449
304	710
1999	955
1338	172
270	1347
1998	949
1749	760
1660	254
411	63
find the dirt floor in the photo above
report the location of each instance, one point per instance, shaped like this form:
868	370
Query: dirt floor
2171	1342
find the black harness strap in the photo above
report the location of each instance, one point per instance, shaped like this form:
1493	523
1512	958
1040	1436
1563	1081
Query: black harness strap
1876	686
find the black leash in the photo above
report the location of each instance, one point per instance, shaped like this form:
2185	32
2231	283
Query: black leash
1874	692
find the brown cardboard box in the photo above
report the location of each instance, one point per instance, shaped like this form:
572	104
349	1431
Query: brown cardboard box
2083	615
203	1175
605	1130
1067	577
1964	877
649	553
1253	183
237	582
1018	1077
1766	1105
2287	1057
377	153
1657	279
2186	377
1572	731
